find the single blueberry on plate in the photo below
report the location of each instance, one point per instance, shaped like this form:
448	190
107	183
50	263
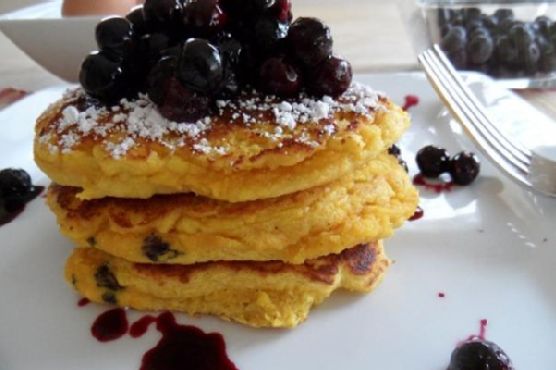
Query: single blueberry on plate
464	168
479	355
432	161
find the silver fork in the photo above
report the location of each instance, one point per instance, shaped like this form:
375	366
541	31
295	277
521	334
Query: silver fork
522	165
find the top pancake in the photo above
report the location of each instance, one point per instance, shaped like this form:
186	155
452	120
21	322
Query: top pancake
251	148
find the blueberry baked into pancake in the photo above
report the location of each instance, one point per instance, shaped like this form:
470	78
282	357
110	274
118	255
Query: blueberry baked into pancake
218	159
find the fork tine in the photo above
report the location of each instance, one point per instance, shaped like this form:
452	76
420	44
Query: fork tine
487	122
459	111
474	119
451	92
462	97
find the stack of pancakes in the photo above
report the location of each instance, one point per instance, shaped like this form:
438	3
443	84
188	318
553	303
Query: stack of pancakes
255	214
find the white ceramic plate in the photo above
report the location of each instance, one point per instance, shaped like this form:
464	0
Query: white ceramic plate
491	248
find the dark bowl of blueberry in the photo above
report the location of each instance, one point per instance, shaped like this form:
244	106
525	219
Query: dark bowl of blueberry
508	40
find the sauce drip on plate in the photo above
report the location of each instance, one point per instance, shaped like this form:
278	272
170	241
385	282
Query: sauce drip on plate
181	346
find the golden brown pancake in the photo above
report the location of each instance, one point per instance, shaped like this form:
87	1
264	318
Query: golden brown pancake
252	148
183	228
259	294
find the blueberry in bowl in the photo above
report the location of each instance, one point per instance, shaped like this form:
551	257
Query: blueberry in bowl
496	43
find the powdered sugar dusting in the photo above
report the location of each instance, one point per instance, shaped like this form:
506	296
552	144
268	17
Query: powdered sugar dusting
122	125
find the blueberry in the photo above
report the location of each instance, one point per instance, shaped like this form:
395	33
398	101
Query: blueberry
203	18
490	22
247	9
432	161
471	13
249	61
464	168
444	30
230	53
156	249
478	31
232	8
552	31
479	355
278	77
395	151
504	25
504	13
268	34
152	47
542	24
544	43
547	61
445	16
200	67
455	39
102	77
457	18
309	41
506	51
458	58
159	78
14	183
137	18
109	297
162	12
16	189
181	104
256	8
474	24
332	77
481	68
230	49
282	11
530	55
112	34
230	86
480	49
502	71
106	279
521	34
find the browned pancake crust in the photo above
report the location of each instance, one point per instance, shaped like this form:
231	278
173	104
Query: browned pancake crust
260	294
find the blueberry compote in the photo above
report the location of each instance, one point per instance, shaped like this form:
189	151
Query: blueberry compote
184	55
110	325
16	190
181	346
410	101
186	347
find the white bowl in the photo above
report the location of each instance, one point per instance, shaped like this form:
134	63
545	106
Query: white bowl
56	43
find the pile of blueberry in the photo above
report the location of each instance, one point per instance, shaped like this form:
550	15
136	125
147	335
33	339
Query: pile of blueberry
16	190
185	54
478	354
462	167
498	44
